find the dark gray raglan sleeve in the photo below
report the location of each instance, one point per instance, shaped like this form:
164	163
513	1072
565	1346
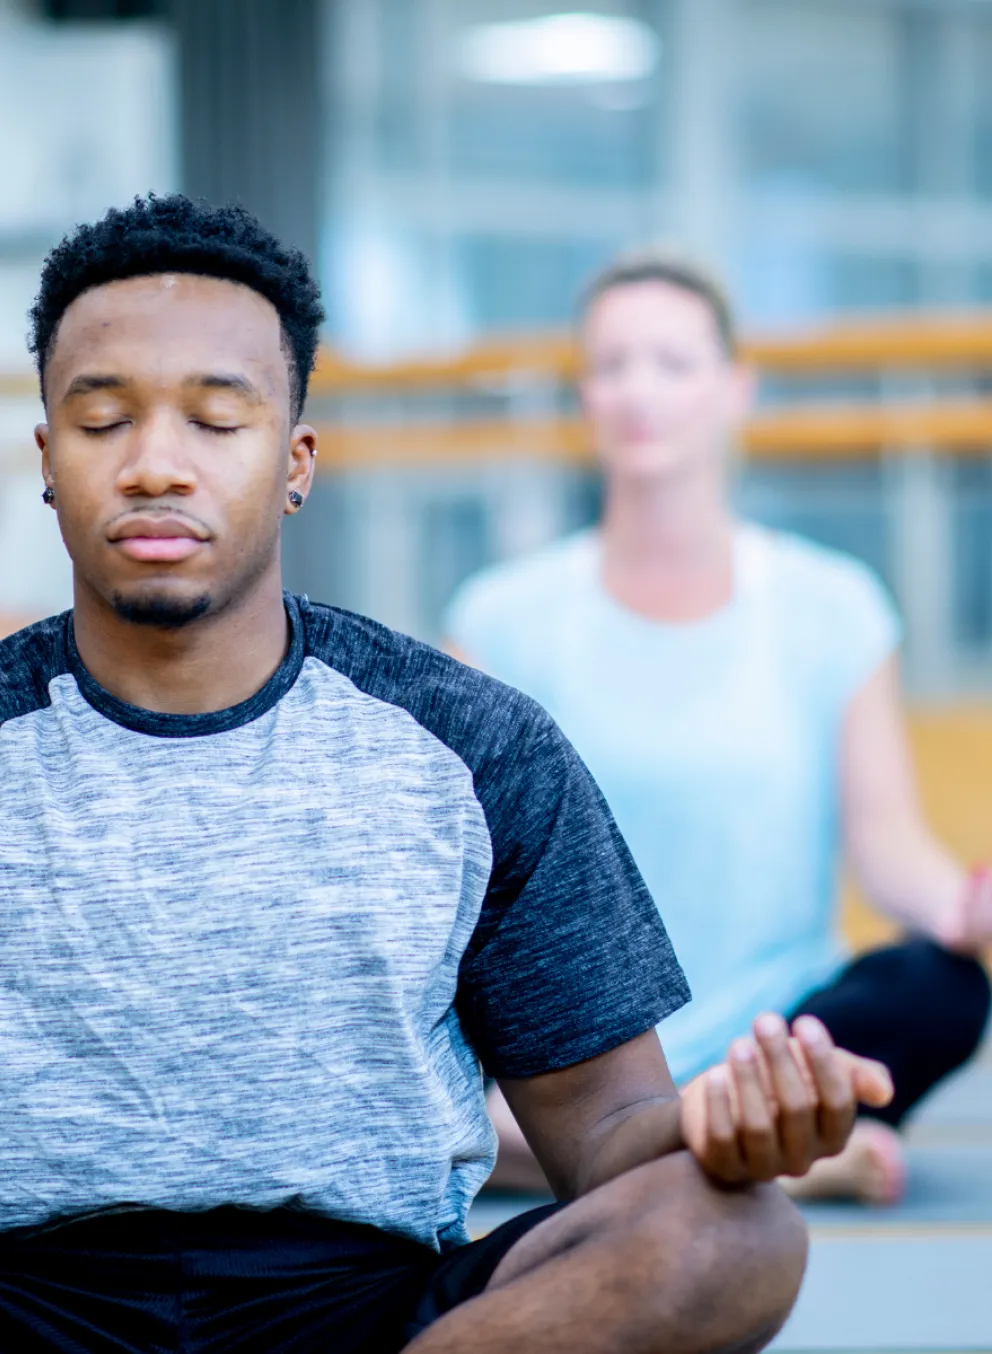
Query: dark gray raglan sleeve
570	957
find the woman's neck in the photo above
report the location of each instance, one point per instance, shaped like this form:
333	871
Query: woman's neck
668	546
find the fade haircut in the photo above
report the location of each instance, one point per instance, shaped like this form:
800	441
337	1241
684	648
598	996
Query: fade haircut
657	264
176	234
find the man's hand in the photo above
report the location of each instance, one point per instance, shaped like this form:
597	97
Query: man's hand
778	1103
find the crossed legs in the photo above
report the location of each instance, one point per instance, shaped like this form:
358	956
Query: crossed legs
657	1261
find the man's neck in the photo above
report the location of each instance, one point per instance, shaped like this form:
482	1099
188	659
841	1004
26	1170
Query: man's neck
209	664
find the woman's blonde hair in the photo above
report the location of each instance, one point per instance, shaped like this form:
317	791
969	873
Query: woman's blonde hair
659	264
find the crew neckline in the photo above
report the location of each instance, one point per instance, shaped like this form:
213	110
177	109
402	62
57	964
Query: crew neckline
158	724
748	556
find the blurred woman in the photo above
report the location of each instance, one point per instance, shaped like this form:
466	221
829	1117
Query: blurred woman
734	691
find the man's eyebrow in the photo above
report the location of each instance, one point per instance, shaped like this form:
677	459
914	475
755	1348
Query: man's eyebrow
86	384
239	385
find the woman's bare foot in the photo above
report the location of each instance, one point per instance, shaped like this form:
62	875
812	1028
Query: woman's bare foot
870	1170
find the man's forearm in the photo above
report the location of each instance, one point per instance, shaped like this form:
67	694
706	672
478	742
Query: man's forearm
644	1134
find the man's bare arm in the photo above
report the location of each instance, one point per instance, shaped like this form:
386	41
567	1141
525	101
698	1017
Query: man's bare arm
591	1122
779	1103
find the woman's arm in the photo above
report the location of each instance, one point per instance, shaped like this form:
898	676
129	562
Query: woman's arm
901	867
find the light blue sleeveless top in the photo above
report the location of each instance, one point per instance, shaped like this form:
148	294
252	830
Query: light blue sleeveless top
716	745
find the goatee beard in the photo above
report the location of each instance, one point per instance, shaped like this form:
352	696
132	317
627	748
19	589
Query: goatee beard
164	613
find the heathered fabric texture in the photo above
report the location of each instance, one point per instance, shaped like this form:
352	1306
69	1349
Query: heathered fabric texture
256	956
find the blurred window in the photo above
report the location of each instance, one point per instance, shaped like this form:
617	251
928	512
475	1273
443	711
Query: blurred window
981	82
592	116
515	282
399	114
104	129
971	546
571	136
870	282
87	120
821	95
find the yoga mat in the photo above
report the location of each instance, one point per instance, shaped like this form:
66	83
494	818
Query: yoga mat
965	1100
893	1295
945	1184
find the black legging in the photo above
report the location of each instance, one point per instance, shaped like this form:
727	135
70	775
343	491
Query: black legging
915	1007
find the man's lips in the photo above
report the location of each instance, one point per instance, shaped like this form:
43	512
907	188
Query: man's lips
151	539
159	547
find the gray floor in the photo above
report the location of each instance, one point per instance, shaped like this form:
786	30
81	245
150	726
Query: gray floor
915	1279
897	1293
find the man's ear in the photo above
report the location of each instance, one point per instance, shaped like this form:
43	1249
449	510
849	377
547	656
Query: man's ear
302	454
43	442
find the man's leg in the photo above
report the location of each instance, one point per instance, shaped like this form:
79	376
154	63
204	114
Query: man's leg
658	1261
920	1010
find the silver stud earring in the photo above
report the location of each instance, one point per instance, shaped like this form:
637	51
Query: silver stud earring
49	495
295	498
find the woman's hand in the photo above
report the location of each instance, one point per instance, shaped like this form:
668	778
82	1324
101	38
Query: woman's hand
967	926
778	1103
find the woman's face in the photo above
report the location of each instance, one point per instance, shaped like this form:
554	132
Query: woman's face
660	392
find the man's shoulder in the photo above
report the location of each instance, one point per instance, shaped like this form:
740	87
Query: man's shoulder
29	659
473	713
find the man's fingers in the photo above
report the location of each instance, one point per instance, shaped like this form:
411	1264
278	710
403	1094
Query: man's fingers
757	1131
792	1091
871	1081
833	1080
723	1157
803	1065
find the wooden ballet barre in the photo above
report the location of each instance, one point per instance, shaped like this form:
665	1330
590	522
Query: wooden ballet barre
962	342
18	385
551	357
852	432
839	432
933	343
930	343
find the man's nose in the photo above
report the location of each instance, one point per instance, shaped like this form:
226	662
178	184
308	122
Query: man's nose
159	459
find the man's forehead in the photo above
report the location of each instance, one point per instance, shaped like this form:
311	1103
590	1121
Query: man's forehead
167	314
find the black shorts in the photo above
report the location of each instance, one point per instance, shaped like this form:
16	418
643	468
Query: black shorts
232	1280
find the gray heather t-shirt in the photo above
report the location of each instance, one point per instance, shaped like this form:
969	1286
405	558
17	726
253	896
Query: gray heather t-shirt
258	956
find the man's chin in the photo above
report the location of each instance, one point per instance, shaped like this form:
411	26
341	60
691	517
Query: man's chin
162	611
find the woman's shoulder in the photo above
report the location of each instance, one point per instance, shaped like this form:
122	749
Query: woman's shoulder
803	571
526	582
834	614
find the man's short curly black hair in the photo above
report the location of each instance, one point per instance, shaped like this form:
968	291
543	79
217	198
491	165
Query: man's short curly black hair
175	234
